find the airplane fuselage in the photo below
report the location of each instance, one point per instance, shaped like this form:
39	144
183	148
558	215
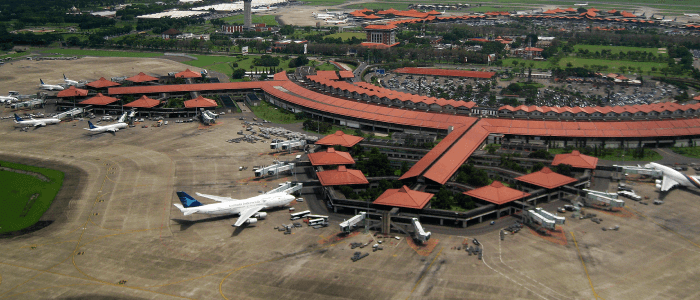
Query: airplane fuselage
108	128
682	179
237	206
37	122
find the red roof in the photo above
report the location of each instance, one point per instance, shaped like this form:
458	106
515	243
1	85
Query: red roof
188	74
433	12
197	87
442	72
99	100
346	74
72	92
331	157
576	160
143	102
373	17
200	102
534	49
341	139
451	160
378	45
404	197
388	11
341	176
141	77
546	178
102	83
697	98
497	193
331	75
429	158
381	27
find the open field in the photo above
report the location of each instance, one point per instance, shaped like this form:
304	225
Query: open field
613	65
348	35
106	53
119	235
615	49
267	19
25	196
273	114
688	151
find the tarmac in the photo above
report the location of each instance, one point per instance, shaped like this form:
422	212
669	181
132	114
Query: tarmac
113	233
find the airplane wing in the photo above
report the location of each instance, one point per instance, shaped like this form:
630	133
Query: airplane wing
246	214
39	124
667	184
216	198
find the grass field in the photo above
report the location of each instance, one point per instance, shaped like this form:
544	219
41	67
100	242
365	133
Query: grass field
687	151
18	54
613	65
348	35
268	20
273	114
80	52
222	64
18	211
615	49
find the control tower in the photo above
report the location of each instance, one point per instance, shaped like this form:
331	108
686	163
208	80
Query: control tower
247	19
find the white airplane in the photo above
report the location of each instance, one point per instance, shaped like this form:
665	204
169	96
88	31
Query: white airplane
50	87
68	81
269	8
322	16
8	99
108	128
581	4
343	21
331	13
247	209
19	122
672	178
692	15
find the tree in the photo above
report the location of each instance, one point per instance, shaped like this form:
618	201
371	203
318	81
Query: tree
238	73
287	30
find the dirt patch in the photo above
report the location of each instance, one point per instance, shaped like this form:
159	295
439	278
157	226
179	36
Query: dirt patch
557	236
423	249
337	238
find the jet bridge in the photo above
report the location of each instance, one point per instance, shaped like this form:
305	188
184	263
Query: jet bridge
287	187
640	170
557	219
70	113
532	217
274	169
602	200
348	225
288	145
419	234
208	117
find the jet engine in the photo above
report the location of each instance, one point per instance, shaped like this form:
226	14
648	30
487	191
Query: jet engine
251	221
260	215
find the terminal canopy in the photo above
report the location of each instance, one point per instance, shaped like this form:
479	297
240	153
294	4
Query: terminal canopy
331	157
188	74
497	193
99	100
102	83
72	92
141	77
200	102
143	102
404	197
546	178
340	138
341	176
576	160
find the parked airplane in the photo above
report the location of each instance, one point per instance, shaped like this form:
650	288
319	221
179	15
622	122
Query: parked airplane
50	87
247	209
8	99
343	21
672	178
108	128
692	15
269	8
68	81
322	16
19	122
581	4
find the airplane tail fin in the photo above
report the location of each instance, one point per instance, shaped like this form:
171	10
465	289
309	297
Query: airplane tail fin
64	77
91	126
122	118
41	80
187	200
18	119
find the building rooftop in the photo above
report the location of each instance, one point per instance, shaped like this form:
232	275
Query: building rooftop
341	176
404	197
102	83
341	139
141	77
380	27
99	100
143	102
200	102
188	74
497	193
576	160
331	157
72	92
546	178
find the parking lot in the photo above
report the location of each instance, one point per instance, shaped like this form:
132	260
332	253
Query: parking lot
116	234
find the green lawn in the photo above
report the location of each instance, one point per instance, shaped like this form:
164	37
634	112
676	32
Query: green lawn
687	151
18	212
18	54
267	111
268	19
613	65
80	52
223	64
615	49
348	35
